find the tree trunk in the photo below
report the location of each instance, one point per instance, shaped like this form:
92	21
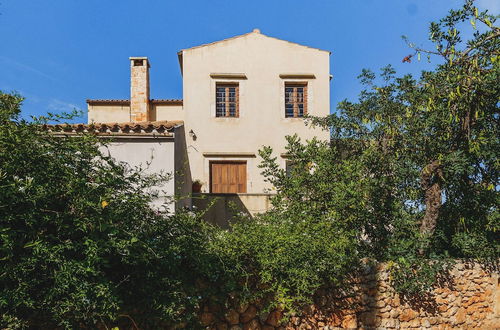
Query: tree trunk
431	175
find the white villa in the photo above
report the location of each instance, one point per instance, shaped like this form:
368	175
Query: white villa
239	94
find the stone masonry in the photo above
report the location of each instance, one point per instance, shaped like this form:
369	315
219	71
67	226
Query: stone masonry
470	299
139	89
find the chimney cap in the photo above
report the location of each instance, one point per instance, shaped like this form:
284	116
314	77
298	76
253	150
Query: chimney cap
134	58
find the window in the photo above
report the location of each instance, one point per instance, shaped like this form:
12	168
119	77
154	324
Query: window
138	62
295	100
289	166
228	177
227	100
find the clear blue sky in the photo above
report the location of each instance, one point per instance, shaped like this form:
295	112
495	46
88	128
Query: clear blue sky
59	53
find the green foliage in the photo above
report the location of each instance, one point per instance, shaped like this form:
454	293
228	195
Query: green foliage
413	276
410	177
412	166
80	243
285	257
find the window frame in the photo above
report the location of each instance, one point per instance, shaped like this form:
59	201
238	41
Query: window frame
295	103
289	167
227	101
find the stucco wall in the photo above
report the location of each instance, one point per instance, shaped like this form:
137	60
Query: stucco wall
116	113
225	206
470	299
154	155
182	174
261	61
167	112
261	100
108	113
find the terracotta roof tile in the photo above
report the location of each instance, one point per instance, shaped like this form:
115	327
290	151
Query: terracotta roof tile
127	102
127	128
110	101
167	101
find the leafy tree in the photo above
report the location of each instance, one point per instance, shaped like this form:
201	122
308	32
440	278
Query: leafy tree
412	166
411	173
80	244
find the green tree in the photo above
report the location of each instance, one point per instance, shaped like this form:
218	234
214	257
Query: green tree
412	166
80	244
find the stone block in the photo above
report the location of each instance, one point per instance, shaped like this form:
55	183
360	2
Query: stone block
249	314
232	316
207	318
274	318
222	326
252	325
350	322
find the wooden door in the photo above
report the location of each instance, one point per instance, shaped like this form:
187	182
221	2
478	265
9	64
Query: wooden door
228	177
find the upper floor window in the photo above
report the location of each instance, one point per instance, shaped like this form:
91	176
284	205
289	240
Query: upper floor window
295	100
289	168
227	100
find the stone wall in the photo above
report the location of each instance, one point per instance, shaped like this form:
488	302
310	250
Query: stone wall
470	298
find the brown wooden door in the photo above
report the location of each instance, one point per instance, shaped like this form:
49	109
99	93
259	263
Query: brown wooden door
228	177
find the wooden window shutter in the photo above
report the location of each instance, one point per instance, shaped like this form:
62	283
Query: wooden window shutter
228	177
237	100
295	105
296	99
227	103
305	99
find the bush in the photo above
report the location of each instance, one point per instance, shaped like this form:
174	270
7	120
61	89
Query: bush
284	259
80	244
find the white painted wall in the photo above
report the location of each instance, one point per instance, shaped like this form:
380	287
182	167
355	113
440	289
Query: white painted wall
154	155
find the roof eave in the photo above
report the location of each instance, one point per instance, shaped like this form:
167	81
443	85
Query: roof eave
243	35
179	57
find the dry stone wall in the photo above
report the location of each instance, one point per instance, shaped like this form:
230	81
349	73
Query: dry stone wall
470	299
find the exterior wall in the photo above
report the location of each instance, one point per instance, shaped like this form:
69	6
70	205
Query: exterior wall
469	300
108	113
224	207
261	119
116	113
260	63
182	174
157	152
166	112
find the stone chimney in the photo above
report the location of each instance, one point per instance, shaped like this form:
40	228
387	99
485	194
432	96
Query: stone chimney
139	89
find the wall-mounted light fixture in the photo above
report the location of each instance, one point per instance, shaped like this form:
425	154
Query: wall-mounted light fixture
192	135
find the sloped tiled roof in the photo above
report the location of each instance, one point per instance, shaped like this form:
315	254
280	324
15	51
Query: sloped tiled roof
167	101
127	102
123	128
109	101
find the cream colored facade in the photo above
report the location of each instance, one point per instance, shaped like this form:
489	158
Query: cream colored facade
258	61
261	66
118	111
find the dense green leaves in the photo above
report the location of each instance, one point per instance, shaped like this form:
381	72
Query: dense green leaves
80	244
410	175
412	166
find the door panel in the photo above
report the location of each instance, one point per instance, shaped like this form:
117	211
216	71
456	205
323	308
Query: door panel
228	177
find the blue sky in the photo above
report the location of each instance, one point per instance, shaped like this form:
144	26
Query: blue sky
59	53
